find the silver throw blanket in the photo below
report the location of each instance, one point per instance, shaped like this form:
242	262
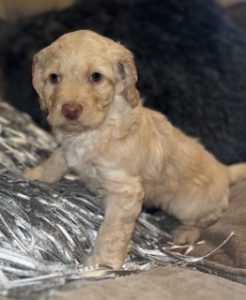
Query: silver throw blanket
47	231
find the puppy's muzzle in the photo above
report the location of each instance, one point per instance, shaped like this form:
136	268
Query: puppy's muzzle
71	111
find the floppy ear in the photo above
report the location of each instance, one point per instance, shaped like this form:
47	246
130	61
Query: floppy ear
128	75
37	78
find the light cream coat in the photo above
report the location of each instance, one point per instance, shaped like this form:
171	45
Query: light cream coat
122	150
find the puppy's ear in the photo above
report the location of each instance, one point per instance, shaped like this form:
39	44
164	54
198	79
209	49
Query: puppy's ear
37	78
128	75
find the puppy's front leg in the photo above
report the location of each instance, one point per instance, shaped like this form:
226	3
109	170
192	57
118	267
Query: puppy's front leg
123	206
50	170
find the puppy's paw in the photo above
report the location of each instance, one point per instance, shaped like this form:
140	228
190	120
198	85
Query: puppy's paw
31	174
39	174
97	261
186	235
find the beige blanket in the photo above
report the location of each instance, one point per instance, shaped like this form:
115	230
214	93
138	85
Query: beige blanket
230	260
165	283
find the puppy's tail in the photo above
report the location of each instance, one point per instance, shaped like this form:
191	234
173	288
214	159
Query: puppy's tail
237	172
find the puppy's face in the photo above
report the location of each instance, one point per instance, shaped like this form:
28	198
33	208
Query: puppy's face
78	77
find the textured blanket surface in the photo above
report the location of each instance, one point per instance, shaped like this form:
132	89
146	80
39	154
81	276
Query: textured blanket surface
163	283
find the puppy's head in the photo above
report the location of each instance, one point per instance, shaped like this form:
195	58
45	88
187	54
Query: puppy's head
78	78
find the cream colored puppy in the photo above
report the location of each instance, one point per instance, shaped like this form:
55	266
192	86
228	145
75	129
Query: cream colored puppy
127	153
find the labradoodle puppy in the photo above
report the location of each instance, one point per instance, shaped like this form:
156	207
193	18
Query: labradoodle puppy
122	150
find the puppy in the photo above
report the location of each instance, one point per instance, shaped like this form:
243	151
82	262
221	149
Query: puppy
127	153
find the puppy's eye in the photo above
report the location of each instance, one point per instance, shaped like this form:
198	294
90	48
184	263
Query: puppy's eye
54	78
96	77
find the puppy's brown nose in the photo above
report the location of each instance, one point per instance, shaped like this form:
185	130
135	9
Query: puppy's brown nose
71	111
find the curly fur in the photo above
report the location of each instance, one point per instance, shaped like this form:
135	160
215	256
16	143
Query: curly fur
102	123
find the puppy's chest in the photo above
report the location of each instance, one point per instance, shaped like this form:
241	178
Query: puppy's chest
82	154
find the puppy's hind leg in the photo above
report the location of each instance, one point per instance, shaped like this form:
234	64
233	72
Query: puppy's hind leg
204	214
